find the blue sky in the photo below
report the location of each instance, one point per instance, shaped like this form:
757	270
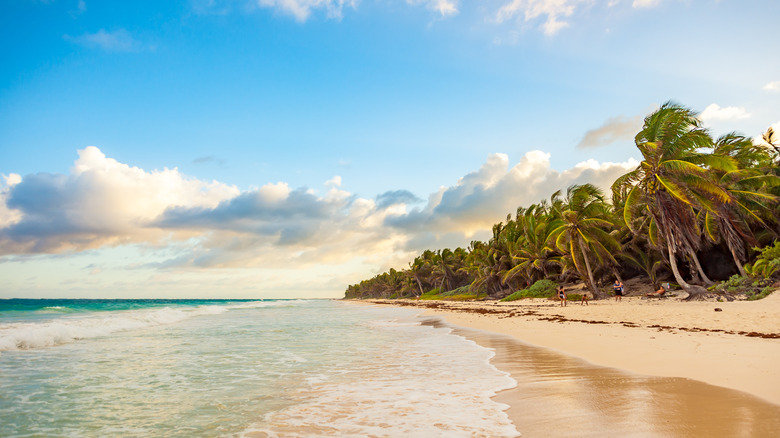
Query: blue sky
279	148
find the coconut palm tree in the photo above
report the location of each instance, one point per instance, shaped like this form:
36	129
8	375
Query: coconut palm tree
746	187
532	253
671	182
584	234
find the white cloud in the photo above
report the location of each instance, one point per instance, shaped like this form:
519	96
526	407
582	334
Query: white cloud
188	224
772	86
614	129
101	202
484	197
333	182
715	112
8	216
530	10
115	41
645	3
445	8
302	9
759	139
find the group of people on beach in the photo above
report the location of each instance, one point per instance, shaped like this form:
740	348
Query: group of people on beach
618	289
564	301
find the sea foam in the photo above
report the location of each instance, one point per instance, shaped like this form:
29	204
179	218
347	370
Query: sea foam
48	333
431	383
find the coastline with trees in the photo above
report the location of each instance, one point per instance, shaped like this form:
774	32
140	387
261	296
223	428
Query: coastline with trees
699	212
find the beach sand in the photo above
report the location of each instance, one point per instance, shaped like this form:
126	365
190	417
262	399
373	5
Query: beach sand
638	367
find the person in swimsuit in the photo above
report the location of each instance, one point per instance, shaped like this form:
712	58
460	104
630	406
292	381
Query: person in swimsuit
562	296
618	288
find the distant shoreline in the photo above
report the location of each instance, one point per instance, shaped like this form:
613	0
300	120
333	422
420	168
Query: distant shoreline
736	347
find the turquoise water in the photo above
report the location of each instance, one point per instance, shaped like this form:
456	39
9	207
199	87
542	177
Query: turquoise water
287	368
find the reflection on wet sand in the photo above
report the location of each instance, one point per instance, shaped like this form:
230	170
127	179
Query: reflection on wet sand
562	396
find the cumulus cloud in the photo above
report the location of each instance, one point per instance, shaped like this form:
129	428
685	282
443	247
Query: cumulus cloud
302	9
101	202
772	86
115	41
529	10
484	197
715	112
396	197
614	129
104	203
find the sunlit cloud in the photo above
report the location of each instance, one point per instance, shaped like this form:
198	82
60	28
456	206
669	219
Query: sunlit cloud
614	129
100	202
645	3
484	197
103	203
772	86
553	11
301	10
445	8
715	112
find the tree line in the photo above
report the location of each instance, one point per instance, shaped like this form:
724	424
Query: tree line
691	196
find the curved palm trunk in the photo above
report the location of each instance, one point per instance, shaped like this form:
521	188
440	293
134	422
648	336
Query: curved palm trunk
694	292
596	293
616	274
737	262
419	283
673	262
704	278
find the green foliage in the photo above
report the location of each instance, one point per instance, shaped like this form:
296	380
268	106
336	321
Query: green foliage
752	288
767	264
688	191
460	294
540	289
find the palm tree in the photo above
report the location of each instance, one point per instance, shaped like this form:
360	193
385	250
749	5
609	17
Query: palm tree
584	232
531	251
746	187
671	182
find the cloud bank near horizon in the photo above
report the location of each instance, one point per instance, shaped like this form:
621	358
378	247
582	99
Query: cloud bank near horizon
102	203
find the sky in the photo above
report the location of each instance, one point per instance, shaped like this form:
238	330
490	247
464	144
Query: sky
290	148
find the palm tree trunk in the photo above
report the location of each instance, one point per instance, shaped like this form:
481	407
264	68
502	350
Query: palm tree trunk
704	278
736	259
596	293
675	270
673	263
419	283
616	274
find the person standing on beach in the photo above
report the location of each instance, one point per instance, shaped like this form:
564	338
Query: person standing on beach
562	296
618	288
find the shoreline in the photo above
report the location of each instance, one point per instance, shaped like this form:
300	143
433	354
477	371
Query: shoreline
736	347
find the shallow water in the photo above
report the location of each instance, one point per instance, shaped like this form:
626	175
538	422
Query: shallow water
266	368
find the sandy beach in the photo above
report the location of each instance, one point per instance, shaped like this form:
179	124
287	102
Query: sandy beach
638	367
733	345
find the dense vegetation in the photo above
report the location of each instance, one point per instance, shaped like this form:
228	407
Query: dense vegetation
696	208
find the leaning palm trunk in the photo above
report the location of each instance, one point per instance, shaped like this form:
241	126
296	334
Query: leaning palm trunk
706	280
694	292
592	285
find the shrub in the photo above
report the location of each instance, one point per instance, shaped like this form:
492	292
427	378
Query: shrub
540	289
767	264
752	288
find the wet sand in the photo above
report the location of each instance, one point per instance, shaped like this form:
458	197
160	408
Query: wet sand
635	368
563	396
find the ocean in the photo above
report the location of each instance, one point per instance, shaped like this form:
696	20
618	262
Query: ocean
237	368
